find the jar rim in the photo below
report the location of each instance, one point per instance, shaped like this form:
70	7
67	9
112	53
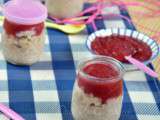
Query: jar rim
105	60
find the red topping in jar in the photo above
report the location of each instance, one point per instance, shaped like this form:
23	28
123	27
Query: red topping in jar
14	28
107	83
120	46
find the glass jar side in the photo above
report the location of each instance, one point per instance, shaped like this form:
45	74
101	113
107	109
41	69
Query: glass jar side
88	105
22	44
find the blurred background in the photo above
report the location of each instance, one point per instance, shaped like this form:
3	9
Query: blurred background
147	25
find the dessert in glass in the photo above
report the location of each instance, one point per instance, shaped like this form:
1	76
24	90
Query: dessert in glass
98	89
64	8
24	31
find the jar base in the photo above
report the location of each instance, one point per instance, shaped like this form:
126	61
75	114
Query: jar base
23	50
21	63
64	8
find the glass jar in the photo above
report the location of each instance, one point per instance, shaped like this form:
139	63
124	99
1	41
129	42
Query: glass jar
24	31
64	8
98	90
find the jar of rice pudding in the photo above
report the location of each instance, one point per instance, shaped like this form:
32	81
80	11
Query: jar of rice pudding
64	8
24	31
98	90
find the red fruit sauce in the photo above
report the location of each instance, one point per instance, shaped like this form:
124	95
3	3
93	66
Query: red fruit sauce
107	84
120	46
13	28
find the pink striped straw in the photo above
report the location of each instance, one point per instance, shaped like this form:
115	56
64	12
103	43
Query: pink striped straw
10	113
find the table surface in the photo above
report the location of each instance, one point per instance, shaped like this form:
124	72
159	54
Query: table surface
43	91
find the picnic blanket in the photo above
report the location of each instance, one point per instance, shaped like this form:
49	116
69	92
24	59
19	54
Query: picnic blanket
43	91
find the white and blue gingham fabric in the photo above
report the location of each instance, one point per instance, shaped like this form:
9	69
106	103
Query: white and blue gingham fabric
43	91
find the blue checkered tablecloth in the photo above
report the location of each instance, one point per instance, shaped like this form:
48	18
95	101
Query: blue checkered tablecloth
43	91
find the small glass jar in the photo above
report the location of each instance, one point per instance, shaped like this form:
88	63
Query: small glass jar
98	90
64	8
24	31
